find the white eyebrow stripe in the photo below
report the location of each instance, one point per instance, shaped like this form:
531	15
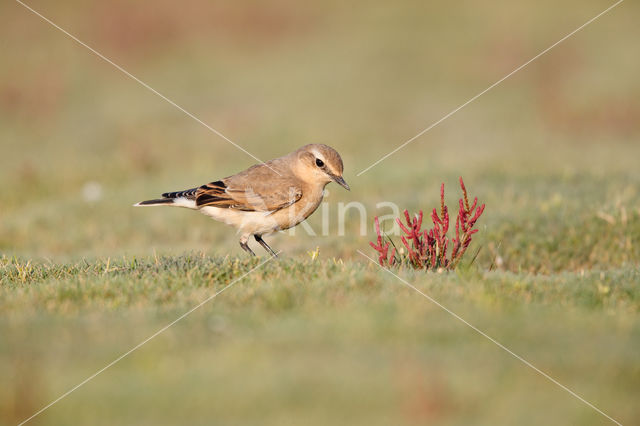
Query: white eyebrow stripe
318	155
328	169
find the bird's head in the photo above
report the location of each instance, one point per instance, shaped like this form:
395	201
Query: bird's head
321	164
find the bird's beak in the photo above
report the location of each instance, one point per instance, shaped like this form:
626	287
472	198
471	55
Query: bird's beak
340	181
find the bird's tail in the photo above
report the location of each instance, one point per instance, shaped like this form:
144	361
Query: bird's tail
158	202
178	199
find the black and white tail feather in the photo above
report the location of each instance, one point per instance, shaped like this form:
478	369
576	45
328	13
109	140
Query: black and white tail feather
184	198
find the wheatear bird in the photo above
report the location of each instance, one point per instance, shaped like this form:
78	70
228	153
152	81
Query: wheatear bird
278	194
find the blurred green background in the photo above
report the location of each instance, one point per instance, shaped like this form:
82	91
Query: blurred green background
552	151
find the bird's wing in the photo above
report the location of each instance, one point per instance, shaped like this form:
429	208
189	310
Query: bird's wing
258	188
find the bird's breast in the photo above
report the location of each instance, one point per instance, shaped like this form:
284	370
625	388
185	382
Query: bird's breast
297	212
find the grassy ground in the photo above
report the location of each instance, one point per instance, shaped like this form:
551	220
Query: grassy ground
329	338
304	341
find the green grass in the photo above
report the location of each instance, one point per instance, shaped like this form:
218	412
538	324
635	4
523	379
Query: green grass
298	336
552	151
179	282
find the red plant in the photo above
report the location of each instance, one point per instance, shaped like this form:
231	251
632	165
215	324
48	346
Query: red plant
383	250
428	249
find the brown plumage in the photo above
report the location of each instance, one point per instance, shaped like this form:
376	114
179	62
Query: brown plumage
278	194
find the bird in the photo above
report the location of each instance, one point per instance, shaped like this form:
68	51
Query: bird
266	197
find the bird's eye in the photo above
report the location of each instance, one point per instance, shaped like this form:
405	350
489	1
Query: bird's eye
319	162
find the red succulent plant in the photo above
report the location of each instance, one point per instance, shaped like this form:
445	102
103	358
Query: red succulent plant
428	249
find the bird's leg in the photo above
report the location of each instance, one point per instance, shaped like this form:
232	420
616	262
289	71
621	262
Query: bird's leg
265	245
245	247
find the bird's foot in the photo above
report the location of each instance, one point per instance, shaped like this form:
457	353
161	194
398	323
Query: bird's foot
265	245
246	248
